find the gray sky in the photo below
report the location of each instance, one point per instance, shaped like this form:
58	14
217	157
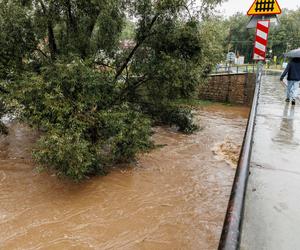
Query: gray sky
232	6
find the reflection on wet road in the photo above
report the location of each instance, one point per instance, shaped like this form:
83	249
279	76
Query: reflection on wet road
174	197
272	215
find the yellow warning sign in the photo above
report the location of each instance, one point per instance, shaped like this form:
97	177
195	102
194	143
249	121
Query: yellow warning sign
264	7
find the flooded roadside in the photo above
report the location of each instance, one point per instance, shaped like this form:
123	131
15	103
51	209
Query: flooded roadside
175	197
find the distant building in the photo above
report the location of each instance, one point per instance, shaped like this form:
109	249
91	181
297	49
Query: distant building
240	60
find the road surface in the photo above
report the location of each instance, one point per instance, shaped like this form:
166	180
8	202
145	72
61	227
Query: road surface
272	212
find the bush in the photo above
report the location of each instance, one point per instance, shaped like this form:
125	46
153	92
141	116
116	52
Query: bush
182	117
84	133
85	130
117	136
171	114
67	153
114	136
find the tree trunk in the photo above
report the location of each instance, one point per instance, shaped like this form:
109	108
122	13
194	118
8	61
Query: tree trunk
71	20
51	37
139	43
52	42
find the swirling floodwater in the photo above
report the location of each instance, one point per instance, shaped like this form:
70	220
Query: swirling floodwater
174	197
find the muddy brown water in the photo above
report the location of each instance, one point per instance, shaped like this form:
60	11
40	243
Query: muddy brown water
174	197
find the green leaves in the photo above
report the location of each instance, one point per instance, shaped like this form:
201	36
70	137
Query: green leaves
17	39
84	133
66	153
286	36
282	38
93	99
239	38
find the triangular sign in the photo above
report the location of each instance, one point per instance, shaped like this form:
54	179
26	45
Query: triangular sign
264	7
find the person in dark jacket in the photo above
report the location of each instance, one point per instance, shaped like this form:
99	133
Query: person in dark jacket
293	76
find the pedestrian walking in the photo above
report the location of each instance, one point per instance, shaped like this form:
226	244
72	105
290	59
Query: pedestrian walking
293	77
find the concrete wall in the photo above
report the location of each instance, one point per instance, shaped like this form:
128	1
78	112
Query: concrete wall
231	88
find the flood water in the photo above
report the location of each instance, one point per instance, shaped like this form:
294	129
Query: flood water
174	197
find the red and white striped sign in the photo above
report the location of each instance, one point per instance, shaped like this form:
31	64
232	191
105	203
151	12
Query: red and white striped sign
261	40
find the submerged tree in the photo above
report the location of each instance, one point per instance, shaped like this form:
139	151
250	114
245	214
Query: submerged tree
94	98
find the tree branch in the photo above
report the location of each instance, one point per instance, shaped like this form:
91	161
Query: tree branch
43	53
43	7
134	86
139	43
51	37
105	65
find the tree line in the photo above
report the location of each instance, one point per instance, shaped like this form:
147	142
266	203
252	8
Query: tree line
282	38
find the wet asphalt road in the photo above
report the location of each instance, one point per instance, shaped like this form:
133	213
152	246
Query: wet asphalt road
272	212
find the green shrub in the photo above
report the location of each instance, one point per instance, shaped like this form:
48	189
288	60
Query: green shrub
182	117
84	133
172	115
67	153
114	136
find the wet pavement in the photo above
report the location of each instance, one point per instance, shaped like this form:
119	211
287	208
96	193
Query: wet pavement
174	197
272	212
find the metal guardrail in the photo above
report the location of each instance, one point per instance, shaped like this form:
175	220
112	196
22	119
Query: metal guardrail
234	69
232	229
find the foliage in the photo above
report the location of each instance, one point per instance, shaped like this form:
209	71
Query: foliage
282	38
128	32
83	132
16	38
239	38
17	41
183	118
94	100
286	36
212	37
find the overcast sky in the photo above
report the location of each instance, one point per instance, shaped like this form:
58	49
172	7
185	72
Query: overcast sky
232	6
